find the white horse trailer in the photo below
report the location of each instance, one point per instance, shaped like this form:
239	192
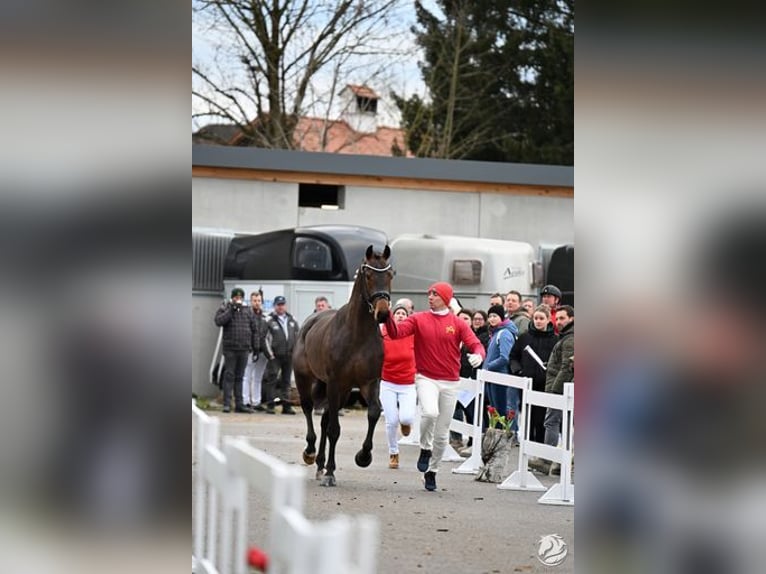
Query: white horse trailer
475	267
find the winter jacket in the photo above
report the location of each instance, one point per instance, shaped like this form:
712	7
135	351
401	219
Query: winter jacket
482	333
521	320
500	344
276	341
466	370
240	328
263	331
542	343
560	364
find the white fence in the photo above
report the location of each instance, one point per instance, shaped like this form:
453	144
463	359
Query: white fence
295	545
472	464
561	493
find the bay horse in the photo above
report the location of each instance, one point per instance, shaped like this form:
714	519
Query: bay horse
339	349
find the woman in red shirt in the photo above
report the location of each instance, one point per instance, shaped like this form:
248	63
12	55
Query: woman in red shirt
397	385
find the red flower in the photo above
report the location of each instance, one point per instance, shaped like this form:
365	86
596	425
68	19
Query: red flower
511	415
492	410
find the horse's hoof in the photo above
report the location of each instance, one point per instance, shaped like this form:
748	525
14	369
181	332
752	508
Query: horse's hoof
309	458
363	459
328	480
319	474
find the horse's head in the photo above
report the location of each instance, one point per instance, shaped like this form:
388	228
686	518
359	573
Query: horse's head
375	276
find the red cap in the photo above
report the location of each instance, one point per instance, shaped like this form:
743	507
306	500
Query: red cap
444	290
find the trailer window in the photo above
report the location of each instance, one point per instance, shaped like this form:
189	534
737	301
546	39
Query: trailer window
312	255
466	272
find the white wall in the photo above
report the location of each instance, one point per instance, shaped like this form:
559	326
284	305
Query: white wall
250	206
242	205
398	211
533	219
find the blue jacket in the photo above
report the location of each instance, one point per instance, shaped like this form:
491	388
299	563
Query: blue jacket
500	344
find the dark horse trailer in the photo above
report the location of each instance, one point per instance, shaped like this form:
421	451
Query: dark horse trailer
300	263
560	272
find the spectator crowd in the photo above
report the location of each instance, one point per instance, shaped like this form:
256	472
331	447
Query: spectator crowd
425	353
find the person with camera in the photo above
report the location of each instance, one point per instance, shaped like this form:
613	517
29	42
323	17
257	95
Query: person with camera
240	338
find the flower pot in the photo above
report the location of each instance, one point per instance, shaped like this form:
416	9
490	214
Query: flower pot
495	450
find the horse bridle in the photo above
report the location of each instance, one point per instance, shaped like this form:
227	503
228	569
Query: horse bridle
371	298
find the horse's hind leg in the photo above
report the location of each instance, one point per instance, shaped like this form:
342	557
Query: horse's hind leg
322	444
304	384
363	458
331	430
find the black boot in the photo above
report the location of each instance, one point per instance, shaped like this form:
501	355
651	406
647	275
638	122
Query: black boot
287	409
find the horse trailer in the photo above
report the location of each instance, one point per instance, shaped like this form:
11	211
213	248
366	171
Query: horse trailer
476	267
560	272
301	264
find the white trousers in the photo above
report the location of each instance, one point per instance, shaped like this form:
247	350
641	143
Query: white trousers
251	382
437	403
405	396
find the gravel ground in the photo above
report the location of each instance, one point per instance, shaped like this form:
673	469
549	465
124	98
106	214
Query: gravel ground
463	527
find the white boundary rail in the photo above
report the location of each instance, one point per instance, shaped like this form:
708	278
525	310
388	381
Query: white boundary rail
205	429
524	384
561	493
342	545
470	465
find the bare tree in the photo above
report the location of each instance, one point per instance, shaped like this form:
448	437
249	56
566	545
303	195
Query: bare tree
458	121
272	56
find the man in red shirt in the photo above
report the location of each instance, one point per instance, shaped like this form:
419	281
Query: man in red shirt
438	335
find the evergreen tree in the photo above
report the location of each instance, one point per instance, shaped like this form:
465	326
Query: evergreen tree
500	80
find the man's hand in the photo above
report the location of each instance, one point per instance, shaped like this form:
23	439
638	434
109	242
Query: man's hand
474	359
255	357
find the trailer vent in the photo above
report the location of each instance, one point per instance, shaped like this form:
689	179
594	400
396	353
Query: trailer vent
466	272
208	255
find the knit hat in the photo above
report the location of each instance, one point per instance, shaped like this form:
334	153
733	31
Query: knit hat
399	306
444	290
497	310
237	292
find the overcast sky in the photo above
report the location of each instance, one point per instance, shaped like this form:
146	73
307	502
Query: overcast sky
403	77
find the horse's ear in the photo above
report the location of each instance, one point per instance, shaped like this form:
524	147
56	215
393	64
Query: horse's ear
368	253
387	252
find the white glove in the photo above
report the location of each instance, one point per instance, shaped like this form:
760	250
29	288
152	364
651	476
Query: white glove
475	360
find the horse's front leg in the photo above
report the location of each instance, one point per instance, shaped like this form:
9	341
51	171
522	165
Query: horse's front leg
363	458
